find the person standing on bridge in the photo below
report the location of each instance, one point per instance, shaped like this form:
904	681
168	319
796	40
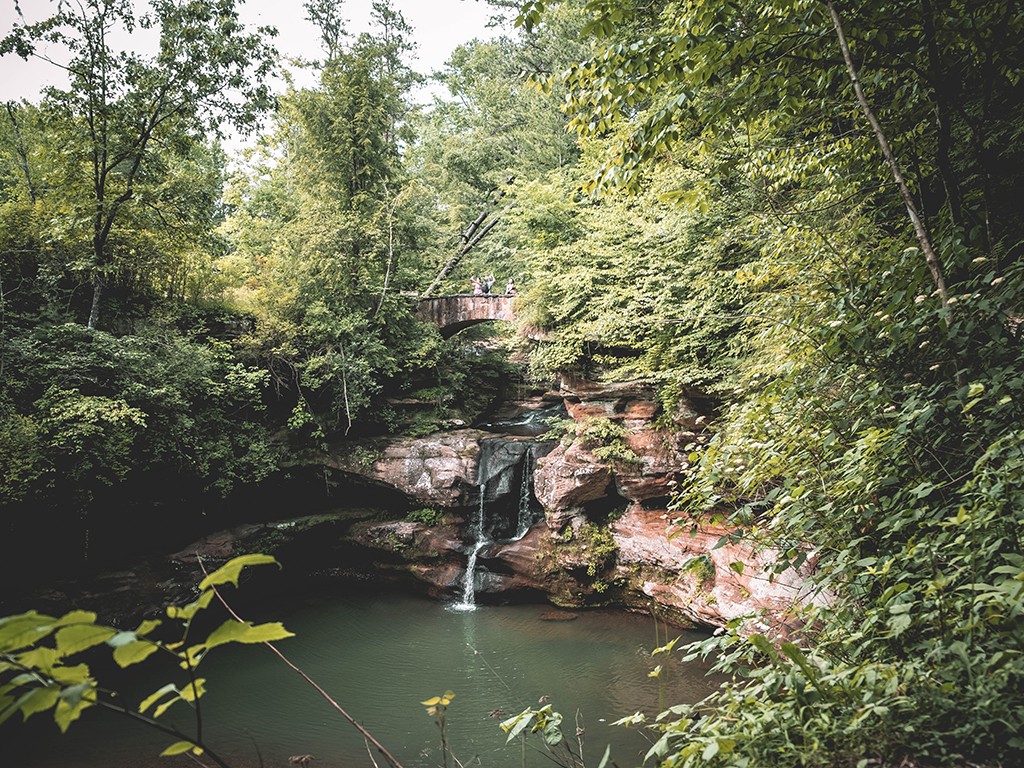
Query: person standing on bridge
488	284
478	286
510	287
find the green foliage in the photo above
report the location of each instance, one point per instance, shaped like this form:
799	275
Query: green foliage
328	230
594	546
41	669
105	405
546	723
495	130
96	430
365	457
864	448
632	286
701	566
865	428
427	516
605	438
127	119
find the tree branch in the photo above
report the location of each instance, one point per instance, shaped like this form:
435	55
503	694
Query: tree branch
366	734
931	258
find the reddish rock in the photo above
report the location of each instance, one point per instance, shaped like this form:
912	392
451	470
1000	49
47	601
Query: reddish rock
443	578
217	547
569	477
525	555
684	571
661	454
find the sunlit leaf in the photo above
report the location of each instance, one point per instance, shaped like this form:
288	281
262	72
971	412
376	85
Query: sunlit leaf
232	631
231	570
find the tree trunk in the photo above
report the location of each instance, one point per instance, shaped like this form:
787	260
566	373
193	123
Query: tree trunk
934	265
97	293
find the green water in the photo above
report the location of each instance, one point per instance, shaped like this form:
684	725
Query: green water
379	656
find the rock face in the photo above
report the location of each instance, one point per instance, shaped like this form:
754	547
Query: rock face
439	469
661	454
686	571
571	476
576	558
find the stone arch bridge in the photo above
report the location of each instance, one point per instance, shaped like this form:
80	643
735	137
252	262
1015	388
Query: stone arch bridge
452	314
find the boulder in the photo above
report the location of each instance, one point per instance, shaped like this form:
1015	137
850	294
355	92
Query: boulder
686	571
439	469
661	454
570	476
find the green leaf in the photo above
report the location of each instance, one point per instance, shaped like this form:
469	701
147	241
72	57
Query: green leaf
231	570
42	659
73	675
39	700
516	725
552	733
24	630
710	750
31	702
147	626
76	617
188	611
154	697
167	705
71	704
134	652
190	693
177	748
668	647
760	642
77	638
121	638
606	758
232	631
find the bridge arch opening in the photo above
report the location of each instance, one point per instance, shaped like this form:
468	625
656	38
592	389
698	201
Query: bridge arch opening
452	314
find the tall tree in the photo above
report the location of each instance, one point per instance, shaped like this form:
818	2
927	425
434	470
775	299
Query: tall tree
121	106
325	229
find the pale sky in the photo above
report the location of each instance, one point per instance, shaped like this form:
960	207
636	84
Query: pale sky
440	25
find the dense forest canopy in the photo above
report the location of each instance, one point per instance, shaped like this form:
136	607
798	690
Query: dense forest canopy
809	209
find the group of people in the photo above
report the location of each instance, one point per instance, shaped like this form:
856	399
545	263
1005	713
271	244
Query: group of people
484	286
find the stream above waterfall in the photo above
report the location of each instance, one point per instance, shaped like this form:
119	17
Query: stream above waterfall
380	656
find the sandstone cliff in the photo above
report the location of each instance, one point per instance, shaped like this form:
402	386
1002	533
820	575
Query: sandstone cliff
604	535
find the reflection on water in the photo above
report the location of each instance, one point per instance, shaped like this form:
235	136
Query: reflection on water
379	657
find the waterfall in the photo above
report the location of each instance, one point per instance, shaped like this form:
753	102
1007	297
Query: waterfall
525	519
480	538
504	511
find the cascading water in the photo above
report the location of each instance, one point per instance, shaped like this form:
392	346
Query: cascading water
525	519
509	515
480	541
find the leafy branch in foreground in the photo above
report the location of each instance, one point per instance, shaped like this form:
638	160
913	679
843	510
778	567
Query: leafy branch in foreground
437	707
41	667
548	724
36	676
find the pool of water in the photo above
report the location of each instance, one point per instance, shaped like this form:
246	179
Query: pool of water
379	656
